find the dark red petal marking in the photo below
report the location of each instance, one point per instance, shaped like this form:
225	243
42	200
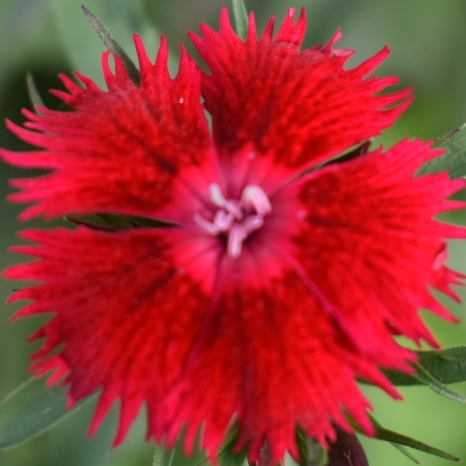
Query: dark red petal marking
276	337
273	357
120	150
126	314
298	108
369	242
136	325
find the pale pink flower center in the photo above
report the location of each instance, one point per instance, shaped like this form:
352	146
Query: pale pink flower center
237	219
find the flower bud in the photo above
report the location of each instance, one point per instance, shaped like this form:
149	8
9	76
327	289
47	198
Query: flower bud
346	450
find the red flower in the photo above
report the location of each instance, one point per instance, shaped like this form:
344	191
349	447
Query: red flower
286	272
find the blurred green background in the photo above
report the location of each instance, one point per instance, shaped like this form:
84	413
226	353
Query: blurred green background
427	39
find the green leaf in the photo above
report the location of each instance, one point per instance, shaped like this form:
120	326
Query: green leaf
163	457
229	458
424	377
122	17
30	410
310	452
393	437
399	439
454	160
240	16
446	366
34	95
111	43
226	456
399	447
405	452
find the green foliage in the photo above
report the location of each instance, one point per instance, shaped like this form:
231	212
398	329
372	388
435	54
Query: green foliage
227	456
399	439
425	378
454	160
30	410
34	95
446	366
240	16
121	17
112	44
163	457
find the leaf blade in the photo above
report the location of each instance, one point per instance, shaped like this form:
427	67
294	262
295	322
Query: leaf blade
425	378
30	410
34	95
240	16
112	44
454	160
163	457
394	437
447	366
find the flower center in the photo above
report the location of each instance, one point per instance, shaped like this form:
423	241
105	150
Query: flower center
236	219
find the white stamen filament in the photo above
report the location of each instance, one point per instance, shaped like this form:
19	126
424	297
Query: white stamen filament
256	196
216	195
235	240
223	220
235	217
210	227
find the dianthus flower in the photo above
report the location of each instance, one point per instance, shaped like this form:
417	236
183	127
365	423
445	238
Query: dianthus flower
289	254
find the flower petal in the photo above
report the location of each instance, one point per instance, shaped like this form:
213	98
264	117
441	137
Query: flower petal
125	315
130	321
298	108
274	359
117	151
369	245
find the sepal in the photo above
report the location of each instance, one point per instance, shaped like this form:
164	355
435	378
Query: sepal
346	450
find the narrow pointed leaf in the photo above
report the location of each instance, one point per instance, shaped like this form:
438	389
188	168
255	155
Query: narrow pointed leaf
399	447
227	456
399	439
30	410
163	457
310	452
111	43
405	452
394	437
123	18
240	16
424	377
454	160
34	95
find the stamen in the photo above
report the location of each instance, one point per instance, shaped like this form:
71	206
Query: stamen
231	205
256	196
234	217
251	223
235	240
216	195
210	227
223	220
